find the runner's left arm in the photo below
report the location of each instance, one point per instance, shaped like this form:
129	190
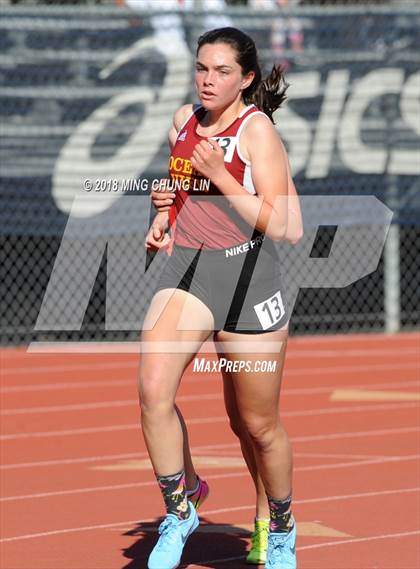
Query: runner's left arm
267	210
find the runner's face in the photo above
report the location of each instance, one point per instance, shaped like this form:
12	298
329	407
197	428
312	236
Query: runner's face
218	76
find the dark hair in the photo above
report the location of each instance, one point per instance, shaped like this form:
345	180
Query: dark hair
266	94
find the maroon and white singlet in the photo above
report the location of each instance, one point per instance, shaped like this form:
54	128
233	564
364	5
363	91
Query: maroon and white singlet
203	222
218	257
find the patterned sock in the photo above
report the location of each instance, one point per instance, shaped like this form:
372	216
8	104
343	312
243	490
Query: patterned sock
281	519
174	494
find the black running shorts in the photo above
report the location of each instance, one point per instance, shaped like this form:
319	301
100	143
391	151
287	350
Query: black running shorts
240	285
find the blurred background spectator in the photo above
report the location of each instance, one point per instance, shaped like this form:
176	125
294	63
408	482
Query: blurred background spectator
286	31
168	28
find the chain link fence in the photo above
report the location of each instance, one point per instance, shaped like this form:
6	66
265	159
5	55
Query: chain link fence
87	93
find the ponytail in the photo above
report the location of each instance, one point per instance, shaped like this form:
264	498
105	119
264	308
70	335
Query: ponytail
267	94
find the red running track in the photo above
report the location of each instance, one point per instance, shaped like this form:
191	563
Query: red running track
77	491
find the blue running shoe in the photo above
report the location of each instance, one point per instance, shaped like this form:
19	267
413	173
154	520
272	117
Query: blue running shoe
281	552
173	534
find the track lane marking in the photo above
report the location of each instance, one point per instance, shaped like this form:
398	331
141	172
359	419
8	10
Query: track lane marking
203	513
206	562
215	377
243	472
196	449
373	395
100	405
186	398
216	419
359	540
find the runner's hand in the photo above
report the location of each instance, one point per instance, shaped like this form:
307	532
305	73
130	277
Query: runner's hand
157	237
162	200
208	158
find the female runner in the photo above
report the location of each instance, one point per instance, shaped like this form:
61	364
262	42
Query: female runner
220	280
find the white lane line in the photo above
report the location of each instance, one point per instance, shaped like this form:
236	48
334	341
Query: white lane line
359	540
140	347
314	546
68	385
120	382
107	429
100	405
104	366
355	338
211	377
352	352
355	434
236	451
203	513
105	458
208	476
357	463
73	530
131	426
353	368
383	385
69	408
70	432
213	561
197	449
342	455
296	342
78	491
350	409
76	460
309	438
208	346
293	351
196	421
183	398
358	495
292	372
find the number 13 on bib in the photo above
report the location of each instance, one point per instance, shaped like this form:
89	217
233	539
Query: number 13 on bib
270	311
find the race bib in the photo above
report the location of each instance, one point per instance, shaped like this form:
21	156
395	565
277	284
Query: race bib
228	143
270	311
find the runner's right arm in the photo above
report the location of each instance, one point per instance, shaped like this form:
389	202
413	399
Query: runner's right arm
157	236
163	200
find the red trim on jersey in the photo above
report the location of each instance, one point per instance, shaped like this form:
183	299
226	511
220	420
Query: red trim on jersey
172	227
206	223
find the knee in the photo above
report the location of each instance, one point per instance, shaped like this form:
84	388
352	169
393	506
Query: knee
262	431
237	426
153	397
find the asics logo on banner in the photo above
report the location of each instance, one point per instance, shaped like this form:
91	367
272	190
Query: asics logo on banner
182	136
